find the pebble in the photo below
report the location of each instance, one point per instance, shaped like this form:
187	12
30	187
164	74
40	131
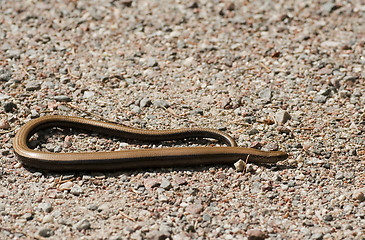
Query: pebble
253	131
76	190
189	61
28	216
84	224
4	124
328	217
88	94
10	107
320	99
239	165
62	98
329	7
5	75
145	102
255	234
165	184
317	236
4	96
151	183
358	195
48	219
66	186
194	208
157	235
151	62
266	95
32	86
160	103
46	207
2	207
92	207
45	232
270	147
179	180
282	116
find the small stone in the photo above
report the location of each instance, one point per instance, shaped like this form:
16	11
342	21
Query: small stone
28	216
34	113
330	44
4	96
194	208
46	207
266	95
157	235
188	62
192	4
344	93
2	207
230	6
150	183
359	195
65	186
136	109
282	129
180	180
253	131
325	92
163	198
270	147
190	228
84	224
282	116
251	168
151	62
116	237
92	207
161	103
239	165
255	234
329	7
45	232
317	236
14	54
206	217
5	75
328	218
10	107
4	124
67	143
339	175
165	184
89	94
62	98
320	99
350	78
145	102
198	111
48	219
126	3
32	86
76	190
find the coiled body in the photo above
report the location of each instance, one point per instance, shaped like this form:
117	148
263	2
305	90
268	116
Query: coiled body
126	159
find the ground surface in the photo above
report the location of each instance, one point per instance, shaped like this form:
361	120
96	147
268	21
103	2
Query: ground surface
244	68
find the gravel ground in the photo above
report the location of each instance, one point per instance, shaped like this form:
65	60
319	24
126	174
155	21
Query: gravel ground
285	75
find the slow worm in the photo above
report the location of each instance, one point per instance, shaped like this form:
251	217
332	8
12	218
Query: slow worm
141	158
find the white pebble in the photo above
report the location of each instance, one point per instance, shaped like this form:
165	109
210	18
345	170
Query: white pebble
48	219
239	165
65	186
